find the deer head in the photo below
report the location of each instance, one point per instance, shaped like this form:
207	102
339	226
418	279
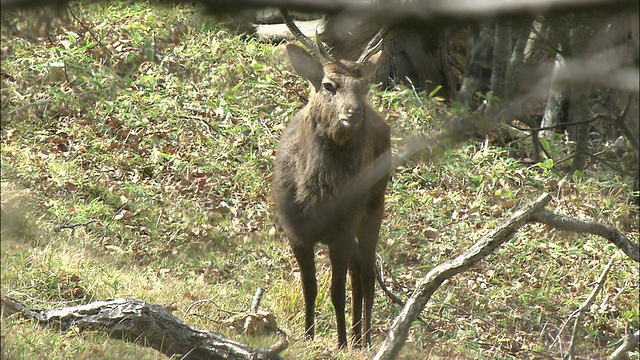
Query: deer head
338	102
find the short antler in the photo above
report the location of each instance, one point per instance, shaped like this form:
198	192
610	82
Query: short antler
317	48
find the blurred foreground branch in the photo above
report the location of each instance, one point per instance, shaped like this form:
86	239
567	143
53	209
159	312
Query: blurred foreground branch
390	12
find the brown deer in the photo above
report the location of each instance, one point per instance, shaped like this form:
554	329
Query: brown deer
335	138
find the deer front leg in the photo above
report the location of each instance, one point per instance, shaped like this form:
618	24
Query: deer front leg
356	298
304	257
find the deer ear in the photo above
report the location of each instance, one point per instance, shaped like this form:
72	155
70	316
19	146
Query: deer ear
305	65
372	64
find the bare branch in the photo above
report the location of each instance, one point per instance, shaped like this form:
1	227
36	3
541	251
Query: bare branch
431	282
575	225
629	344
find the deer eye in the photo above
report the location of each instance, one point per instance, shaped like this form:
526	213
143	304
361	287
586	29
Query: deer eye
329	87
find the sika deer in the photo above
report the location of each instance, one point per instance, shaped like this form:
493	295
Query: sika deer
334	138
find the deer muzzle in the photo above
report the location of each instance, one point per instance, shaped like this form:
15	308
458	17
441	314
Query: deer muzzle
351	117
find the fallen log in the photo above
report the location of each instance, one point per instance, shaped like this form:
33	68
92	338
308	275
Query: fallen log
280	32
145	324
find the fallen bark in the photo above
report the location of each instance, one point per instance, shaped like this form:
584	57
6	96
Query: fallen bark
146	324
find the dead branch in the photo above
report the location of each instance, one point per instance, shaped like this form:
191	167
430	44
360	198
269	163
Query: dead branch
146	324
533	212
586	304
610	233
629	344
432	281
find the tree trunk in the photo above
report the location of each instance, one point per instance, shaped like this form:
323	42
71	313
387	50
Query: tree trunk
501	58
477	77
535	49
554	111
516	62
579	109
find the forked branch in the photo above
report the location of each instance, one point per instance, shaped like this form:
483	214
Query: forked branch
533	212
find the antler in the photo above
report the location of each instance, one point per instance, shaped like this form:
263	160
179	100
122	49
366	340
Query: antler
373	45
316	48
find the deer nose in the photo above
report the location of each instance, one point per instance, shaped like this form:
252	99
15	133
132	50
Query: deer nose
353	112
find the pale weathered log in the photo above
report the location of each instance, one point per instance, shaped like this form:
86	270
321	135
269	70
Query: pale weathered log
146	324
280	32
610	233
432	281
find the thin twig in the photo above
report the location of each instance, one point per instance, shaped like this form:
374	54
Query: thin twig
73	227
586	304
199	303
565	124
396	300
98	40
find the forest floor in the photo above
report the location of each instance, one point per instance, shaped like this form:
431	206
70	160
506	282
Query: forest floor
161	124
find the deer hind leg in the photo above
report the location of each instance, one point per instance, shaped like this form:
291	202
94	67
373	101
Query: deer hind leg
305	257
367	240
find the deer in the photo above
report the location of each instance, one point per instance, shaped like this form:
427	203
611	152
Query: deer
335	138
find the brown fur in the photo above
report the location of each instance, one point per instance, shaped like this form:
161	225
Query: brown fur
334	138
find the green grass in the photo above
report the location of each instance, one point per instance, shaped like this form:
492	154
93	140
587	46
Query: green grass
162	124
